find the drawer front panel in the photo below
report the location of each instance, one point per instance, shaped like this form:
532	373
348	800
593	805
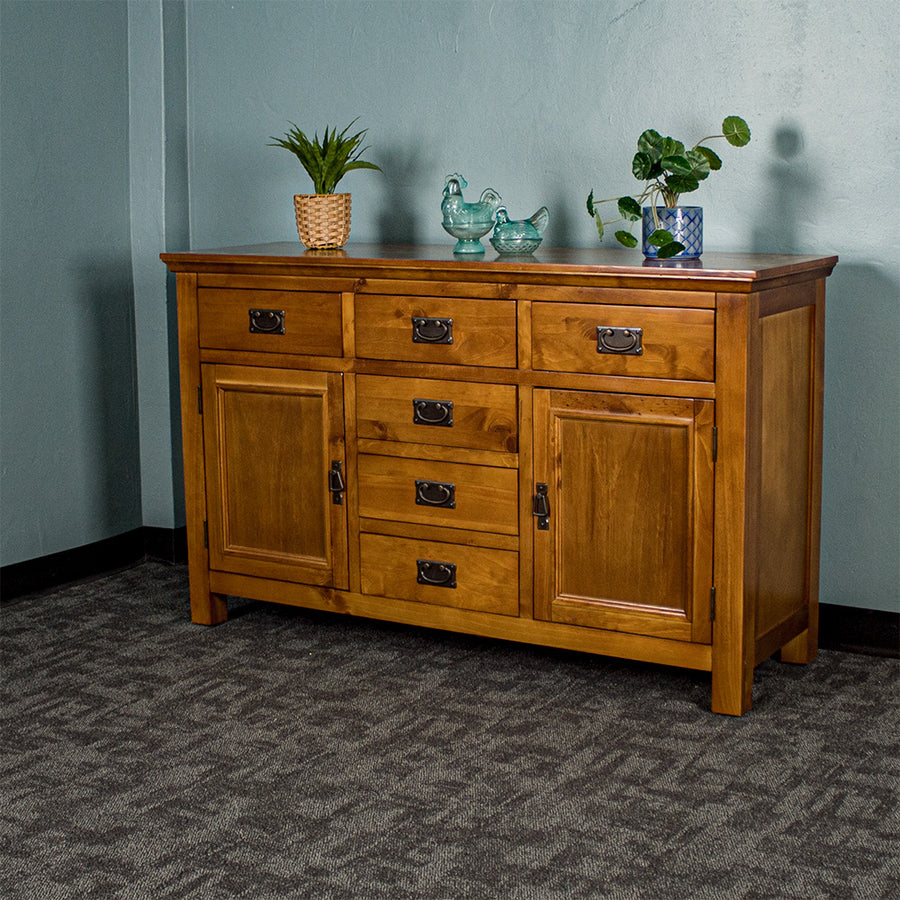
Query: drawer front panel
454	495
448	413
307	322
442	574
645	342
451	330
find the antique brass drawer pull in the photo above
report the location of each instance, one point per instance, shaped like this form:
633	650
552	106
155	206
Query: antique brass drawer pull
437	574
432	412
432	331
436	493
625	341
266	321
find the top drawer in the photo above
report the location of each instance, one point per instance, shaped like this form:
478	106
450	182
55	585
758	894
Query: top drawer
437	330
641	341
271	321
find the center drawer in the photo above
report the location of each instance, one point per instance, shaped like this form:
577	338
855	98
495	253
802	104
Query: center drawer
429	411
455	330
449	494
439	573
653	342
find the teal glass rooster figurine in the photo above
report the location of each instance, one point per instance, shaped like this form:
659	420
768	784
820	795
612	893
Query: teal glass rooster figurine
520	236
467	222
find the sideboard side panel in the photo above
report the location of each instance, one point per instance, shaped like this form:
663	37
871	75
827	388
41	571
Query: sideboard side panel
206	608
804	647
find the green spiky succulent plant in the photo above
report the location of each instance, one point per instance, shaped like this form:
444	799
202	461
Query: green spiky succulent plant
329	160
667	170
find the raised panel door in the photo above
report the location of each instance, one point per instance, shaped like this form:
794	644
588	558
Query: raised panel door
628	541
272	439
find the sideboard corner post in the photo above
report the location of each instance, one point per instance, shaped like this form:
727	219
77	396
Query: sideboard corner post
737	408
206	608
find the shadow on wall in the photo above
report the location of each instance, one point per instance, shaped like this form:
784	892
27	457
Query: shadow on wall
861	458
106	292
790	188
861	488
402	168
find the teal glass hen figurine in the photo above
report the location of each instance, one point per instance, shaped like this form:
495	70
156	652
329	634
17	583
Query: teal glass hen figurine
520	236
467	222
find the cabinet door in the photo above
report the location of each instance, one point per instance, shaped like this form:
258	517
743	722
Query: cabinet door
627	545
273	438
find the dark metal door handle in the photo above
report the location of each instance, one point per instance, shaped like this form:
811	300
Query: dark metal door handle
336	483
540	507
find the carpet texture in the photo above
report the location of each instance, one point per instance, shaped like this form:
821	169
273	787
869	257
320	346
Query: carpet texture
290	753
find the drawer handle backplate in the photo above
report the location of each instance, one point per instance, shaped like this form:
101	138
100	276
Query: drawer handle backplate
432	412
437	574
266	321
427	330
436	493
624	341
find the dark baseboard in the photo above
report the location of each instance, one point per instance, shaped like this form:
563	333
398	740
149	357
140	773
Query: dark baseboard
875	632
92	560
870	631
166	544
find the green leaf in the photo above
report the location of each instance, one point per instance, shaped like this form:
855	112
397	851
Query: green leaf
660	238
629	209
678	165
599	223
699	164
641	165
736	131
712	159
682	184
669	250
590	203
671	147
626	239
328	160
713	162
651	143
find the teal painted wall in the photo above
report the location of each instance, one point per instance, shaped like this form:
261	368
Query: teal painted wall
541	100
544	101
159	220
69	431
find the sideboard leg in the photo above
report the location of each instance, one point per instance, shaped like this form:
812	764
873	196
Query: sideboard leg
208	609
732	684
802	649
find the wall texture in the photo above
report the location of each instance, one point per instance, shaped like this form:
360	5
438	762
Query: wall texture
69	437
541	100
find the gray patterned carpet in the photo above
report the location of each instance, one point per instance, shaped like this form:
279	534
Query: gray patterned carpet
295	754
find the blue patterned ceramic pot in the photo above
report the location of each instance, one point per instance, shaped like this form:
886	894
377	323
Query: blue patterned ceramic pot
684	223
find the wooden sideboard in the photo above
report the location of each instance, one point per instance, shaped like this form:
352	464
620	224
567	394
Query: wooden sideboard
573	449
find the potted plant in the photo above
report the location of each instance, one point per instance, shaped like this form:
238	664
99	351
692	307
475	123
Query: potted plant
323	218
668	170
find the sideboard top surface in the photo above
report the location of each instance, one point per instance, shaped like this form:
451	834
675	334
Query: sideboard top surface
600	267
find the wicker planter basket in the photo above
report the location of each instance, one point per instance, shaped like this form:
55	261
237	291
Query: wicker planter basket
323	220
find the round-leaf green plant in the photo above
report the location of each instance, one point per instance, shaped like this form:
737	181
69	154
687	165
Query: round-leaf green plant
329	160
668	170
